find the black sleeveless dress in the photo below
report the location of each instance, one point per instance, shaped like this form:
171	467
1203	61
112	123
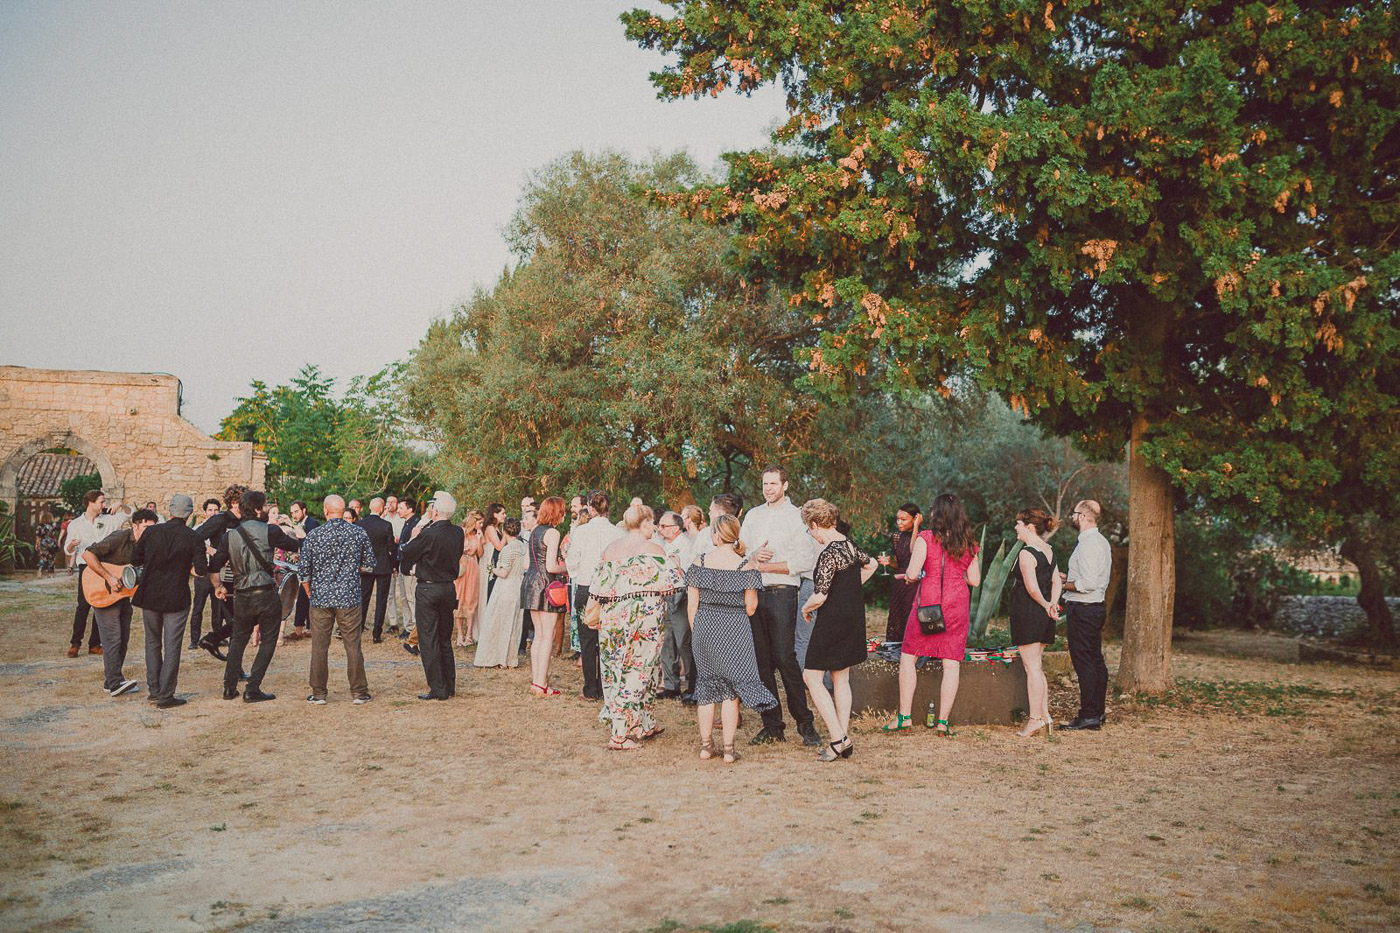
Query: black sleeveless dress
838	635
536	577
1030	623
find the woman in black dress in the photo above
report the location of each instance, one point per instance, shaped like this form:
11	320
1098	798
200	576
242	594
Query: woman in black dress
838	635
902	589
1035	598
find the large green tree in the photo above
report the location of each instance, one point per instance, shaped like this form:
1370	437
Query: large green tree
1171	224
622	351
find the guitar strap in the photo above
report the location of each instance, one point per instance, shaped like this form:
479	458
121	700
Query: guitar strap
257	554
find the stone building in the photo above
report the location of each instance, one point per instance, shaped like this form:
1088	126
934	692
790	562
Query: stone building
127	424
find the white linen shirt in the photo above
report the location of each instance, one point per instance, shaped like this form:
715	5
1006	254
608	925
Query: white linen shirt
83	533
586	544
1089	568
780	527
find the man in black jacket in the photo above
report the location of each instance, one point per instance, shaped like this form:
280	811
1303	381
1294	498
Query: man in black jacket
247	549
214	531
436	550
301	621
168	552
386	552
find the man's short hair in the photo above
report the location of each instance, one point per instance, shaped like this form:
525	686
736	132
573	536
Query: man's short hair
598	501
511	526
730	503
91	496
412	506
208	502
232	493
775	468
144	515
296	503
1093	508
251	502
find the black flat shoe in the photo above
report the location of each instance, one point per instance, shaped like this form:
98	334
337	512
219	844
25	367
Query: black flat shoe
257	696
810	738
765	735
230	694
378	640
429	696
411	649
1084	722
212	647
170	702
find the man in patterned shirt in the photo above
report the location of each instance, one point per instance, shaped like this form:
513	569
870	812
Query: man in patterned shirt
332	558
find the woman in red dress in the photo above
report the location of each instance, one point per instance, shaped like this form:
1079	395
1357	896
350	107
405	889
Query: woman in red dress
946	556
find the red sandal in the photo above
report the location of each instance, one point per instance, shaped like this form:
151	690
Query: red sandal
539	691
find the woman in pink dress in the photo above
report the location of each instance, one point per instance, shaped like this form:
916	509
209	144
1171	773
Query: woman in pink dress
945	554
469	579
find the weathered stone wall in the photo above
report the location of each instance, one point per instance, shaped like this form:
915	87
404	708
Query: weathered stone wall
128	424
1324	616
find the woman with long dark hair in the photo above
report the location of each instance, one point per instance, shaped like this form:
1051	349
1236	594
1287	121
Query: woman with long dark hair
1035	597
945	555
907	521
492	544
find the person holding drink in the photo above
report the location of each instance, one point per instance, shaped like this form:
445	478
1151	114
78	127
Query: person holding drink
902	589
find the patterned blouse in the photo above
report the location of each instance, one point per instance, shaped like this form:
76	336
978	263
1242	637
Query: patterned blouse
332	558
835	557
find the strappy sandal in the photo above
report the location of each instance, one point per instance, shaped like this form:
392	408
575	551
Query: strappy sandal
623	745
539	691
707	750
653	733
902	723
945	732
730	754
832	752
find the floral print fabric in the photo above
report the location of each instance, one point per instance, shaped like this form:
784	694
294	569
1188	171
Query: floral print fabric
633	596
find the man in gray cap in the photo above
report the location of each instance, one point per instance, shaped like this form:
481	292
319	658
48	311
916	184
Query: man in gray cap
167	551
436	549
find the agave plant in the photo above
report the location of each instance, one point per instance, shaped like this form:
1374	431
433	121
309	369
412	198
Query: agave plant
987	597
11	547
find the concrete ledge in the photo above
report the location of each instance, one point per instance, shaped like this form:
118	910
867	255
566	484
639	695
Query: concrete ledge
989	693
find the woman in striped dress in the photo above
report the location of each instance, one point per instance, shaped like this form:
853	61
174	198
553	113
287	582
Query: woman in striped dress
720	597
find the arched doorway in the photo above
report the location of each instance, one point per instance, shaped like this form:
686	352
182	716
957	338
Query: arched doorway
32	480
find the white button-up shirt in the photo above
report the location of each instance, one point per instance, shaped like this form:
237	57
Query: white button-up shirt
1089	567
586	545
780	527
83	533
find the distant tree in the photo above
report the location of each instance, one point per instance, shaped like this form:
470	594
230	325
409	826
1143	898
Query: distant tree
1169	226
72	490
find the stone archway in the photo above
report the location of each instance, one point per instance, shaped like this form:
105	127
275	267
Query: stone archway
9	488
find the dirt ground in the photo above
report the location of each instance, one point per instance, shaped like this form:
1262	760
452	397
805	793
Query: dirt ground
1263	794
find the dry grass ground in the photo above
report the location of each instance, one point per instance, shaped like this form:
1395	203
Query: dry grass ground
1269	804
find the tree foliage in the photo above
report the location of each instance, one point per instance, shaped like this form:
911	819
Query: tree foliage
1167	222
316	443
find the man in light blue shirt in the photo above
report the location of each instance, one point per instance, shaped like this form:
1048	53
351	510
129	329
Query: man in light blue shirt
1086	583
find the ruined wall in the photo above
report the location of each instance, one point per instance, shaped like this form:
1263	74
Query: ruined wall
126	423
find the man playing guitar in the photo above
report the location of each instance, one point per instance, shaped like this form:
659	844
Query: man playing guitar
106	560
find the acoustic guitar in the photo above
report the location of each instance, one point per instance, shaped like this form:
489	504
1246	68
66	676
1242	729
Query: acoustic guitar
99	594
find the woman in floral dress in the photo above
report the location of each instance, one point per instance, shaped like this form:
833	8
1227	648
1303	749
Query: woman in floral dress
46	542
633	580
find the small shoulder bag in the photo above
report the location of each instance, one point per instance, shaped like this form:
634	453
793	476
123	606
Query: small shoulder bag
931	621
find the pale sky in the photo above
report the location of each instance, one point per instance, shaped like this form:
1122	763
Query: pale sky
226	191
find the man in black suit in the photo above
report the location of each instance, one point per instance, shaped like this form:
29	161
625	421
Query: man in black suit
168	551
301	620
386	552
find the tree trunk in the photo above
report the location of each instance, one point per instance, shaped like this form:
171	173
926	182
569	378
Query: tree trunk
1359	548
1113	623
1146	665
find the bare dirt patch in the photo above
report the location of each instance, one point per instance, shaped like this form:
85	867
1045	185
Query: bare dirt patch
1260	794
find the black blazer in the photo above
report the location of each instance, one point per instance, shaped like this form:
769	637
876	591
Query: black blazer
168	551
381	540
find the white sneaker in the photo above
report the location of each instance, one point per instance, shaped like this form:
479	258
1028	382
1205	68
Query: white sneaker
126	686
315	700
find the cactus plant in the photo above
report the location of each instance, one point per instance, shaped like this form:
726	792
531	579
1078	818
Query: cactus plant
987	597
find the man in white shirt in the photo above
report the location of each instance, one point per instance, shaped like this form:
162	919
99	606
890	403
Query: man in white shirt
391	515
1086	583
778	546
586	545
84	531
675	644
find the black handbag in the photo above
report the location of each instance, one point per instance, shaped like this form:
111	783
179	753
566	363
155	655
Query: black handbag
931	621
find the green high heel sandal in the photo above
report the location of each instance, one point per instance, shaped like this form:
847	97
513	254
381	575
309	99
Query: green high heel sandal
901	723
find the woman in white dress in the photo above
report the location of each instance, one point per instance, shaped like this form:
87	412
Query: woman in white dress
498	637
493	544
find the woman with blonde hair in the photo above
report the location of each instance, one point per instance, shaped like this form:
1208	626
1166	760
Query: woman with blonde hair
720	597
469	578
539	589
1035	598
630	587
838	632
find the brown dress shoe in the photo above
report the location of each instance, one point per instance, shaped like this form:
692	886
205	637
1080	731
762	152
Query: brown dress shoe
72	651
95	649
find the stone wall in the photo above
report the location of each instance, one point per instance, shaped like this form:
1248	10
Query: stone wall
128	424
1324	616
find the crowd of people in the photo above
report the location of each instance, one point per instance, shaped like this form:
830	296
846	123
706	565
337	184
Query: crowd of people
712	608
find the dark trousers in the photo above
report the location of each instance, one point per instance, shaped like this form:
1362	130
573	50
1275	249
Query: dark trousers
433	606
204	592
774	647
379	582
80	616
527	629
588	649
1084	626
262	611
302	618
